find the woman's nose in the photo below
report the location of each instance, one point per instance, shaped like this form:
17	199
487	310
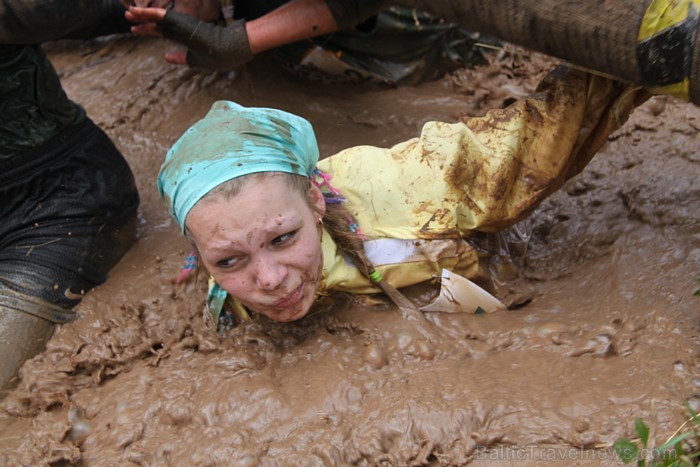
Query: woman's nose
270	274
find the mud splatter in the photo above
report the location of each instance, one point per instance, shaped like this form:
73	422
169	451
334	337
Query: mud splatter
609	333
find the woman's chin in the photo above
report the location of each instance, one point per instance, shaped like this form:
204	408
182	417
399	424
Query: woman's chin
287	316
297	311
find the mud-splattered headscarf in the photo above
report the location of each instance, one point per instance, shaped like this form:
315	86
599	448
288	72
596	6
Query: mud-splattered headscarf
229	142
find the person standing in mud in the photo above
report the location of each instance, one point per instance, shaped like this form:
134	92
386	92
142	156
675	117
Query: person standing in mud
69	201
275	228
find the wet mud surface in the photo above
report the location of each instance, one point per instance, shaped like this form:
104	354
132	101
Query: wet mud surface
607	330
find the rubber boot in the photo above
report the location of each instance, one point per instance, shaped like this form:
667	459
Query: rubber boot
22	336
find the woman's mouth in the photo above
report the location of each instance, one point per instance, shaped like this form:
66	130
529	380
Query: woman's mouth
290	300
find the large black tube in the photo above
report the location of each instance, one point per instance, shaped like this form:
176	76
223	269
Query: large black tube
655	43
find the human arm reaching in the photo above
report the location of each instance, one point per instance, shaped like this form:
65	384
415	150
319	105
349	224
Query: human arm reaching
224	47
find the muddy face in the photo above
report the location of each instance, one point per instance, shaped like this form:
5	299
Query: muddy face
262	246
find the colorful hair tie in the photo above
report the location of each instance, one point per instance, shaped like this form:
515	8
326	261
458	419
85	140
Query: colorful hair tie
190	265
326	180
376	276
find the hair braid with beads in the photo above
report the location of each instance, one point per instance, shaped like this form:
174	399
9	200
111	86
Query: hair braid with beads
338	222
346	233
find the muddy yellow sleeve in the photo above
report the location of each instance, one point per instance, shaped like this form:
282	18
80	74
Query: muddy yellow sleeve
512	159
481	173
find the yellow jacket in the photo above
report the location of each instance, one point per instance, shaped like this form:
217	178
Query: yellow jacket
418	202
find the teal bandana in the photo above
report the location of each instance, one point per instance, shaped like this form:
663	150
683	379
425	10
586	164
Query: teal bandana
229	142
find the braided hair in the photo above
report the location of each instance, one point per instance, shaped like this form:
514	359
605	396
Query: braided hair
344	230
337	220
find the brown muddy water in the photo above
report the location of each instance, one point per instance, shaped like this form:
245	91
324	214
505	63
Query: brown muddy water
608	329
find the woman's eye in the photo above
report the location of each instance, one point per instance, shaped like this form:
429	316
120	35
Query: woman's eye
282	239
228	262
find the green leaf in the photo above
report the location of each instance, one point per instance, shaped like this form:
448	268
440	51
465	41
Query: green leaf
626	450
670	457
642	431
673	441
684	462
679	450
694	416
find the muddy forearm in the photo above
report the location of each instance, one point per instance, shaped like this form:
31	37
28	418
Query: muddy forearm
38	21
293	21
301	19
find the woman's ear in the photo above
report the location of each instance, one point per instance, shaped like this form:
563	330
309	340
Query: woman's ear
316	200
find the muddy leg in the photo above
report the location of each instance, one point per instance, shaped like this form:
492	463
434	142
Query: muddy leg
22	336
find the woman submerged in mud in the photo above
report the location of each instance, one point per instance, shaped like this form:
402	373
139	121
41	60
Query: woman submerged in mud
276	228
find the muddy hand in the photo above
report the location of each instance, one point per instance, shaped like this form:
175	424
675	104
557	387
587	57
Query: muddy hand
178	57
419	337
149	17
208	45
423	326
410	313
